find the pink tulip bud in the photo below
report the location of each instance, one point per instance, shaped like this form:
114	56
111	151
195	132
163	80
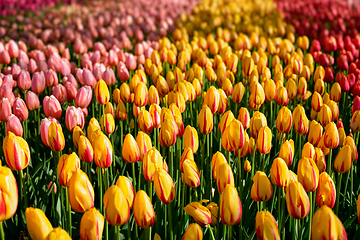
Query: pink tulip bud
51	78
52	107
65	67
99	46
38	82
13	125
22	64
122	72
23	56
20	110
71	91
41	66
109	76
32	100
5	109
83	97
15	70
59	91
5	57
139	49
88	78
130	62
112	58
32	66
66	54
13	49
44	129
95	58
74	117
24	80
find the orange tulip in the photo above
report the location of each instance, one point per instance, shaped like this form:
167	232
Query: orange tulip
103	151
193	232
127	189
308	174
144	143
264	140
145	122
256	123
297	201
266	226
102	92
16	151
284	120
280	174
343	161
117	210
56	137
230	206
67	166
331	136
301	122
191	138
130	149
143	210
224	177
81	192
287	151
205	120
191	173
261	189
164	186
9	193
326	194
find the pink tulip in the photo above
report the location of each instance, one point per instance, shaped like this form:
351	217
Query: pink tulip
59	91
13	125
112	58
23	56
88	78
20	110
52	107
44	129
122	72
38	82
5	109
32	100
51	78
15	70
13	49
5	57
74	117
65	67
109	76
130	62
41	66
24	80
83	97
71	91
32	66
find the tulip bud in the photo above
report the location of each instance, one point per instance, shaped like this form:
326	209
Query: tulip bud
56	137
326	225
130	149
325	115
67	166
266	226
225	121
308	151
224	177
38	224
315	133
9	192
280	175
308	174
102	92
117	210
236	134
200	213
74	117
355	121
238	92
335	92
284	120
256	123
58	233
343	161
13	125
212	99
167	135
164	187
103	150
261	189
127	189
287	151
143	210
193	231
301	122
92	225
109	123
230	206
331	136
191	173
264	140
16	151
81	192
32	101
297	201
214	209
191	138
326	194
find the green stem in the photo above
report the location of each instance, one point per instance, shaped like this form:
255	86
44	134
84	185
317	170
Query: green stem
69	212
239	170
279	210
211	232
23	189
230	232
171	159
134	176
128	231
338	185
253	162
311	213
352	183
2	234
100	189
263	162
170	222
329	164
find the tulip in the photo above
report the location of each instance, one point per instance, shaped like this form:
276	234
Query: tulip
212	99
32	101
38	224
301	122
284	120
236	134
316	102
193	232
127	189
20	110
247	166
117	210
9	191
224	176
152	162
334	109
355	121
58	234
297	201
109	123
86	151
77	133
74	117
308	151
5	109
326	225
256	123
140	95
167	136
191	138
191	173
56	137
230	206
67	166
280	174
164	186
264	140
214	209
343	161
335	92
325	115
38	82
287	151
331	136
354	153
81	192
200	213
16	151
102	92
225	121
91	225
83	97
238	92
205	120
282	98
187	154
326	194
143	210
24	81
315	133
266	226
103	151
121	112
261	189
130	149
155	111
13	125
145	121
308	174
52	107
225	142
244	117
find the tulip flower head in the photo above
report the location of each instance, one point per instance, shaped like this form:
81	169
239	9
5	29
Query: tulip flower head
326	194
143	210
297	201
38	224
266	226
56	137
117	210
81	192
200	213
9	192
193	231
92	225
261	189
16	151
230	206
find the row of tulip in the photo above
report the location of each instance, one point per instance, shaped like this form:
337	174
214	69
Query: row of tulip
179	125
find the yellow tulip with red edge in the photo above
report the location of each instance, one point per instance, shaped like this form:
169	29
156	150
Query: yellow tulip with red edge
91	225
193	232
280	174
256	123
140	95
117	210
230	206
264	140
103	151
266	226
167	135
127	188
287	151
308	174
37	223
164	186
205	120
16	151
191	138
102	92
67	166
342	163
326	193
58	234
56	137
152	162
236	134
200	213
86	151
214	210
331	136
225	176
144	213
81	192
130	150
261	189
191	173
297	201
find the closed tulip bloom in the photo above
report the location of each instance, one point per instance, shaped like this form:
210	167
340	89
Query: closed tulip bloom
261	189
301	122
322	146
225	176
152	162
319	86
225	142
140	95
217	159
56	137
238	92
334	110
325	115
74	117
355	121
191	173
67	166
331	136
191	138
167	135
326	193
284	120
32	101
291	88
343	161
52	107
308	151
13	125
193	232
9	191
86	151
143	210
200	213
38	224
212	99
20	110
326	225
153	95
109	123
24	80
144	143
247	166
264	140
225	121
349	140
81	192
164	186
130	149
92	225
247	65
270	90
103	150
38	82
223	103
145	121
110	109
280	174
297	201
256	123
258	94
230	206
127	189
155	112
121	112
214	209
282	98
16	151
83	97
316	102
335	92
287	151
117	210
125	94
244	117
162	86
315	133
102	92
319	159
5	109
57	234
302	86
266	226
187	154
308	174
